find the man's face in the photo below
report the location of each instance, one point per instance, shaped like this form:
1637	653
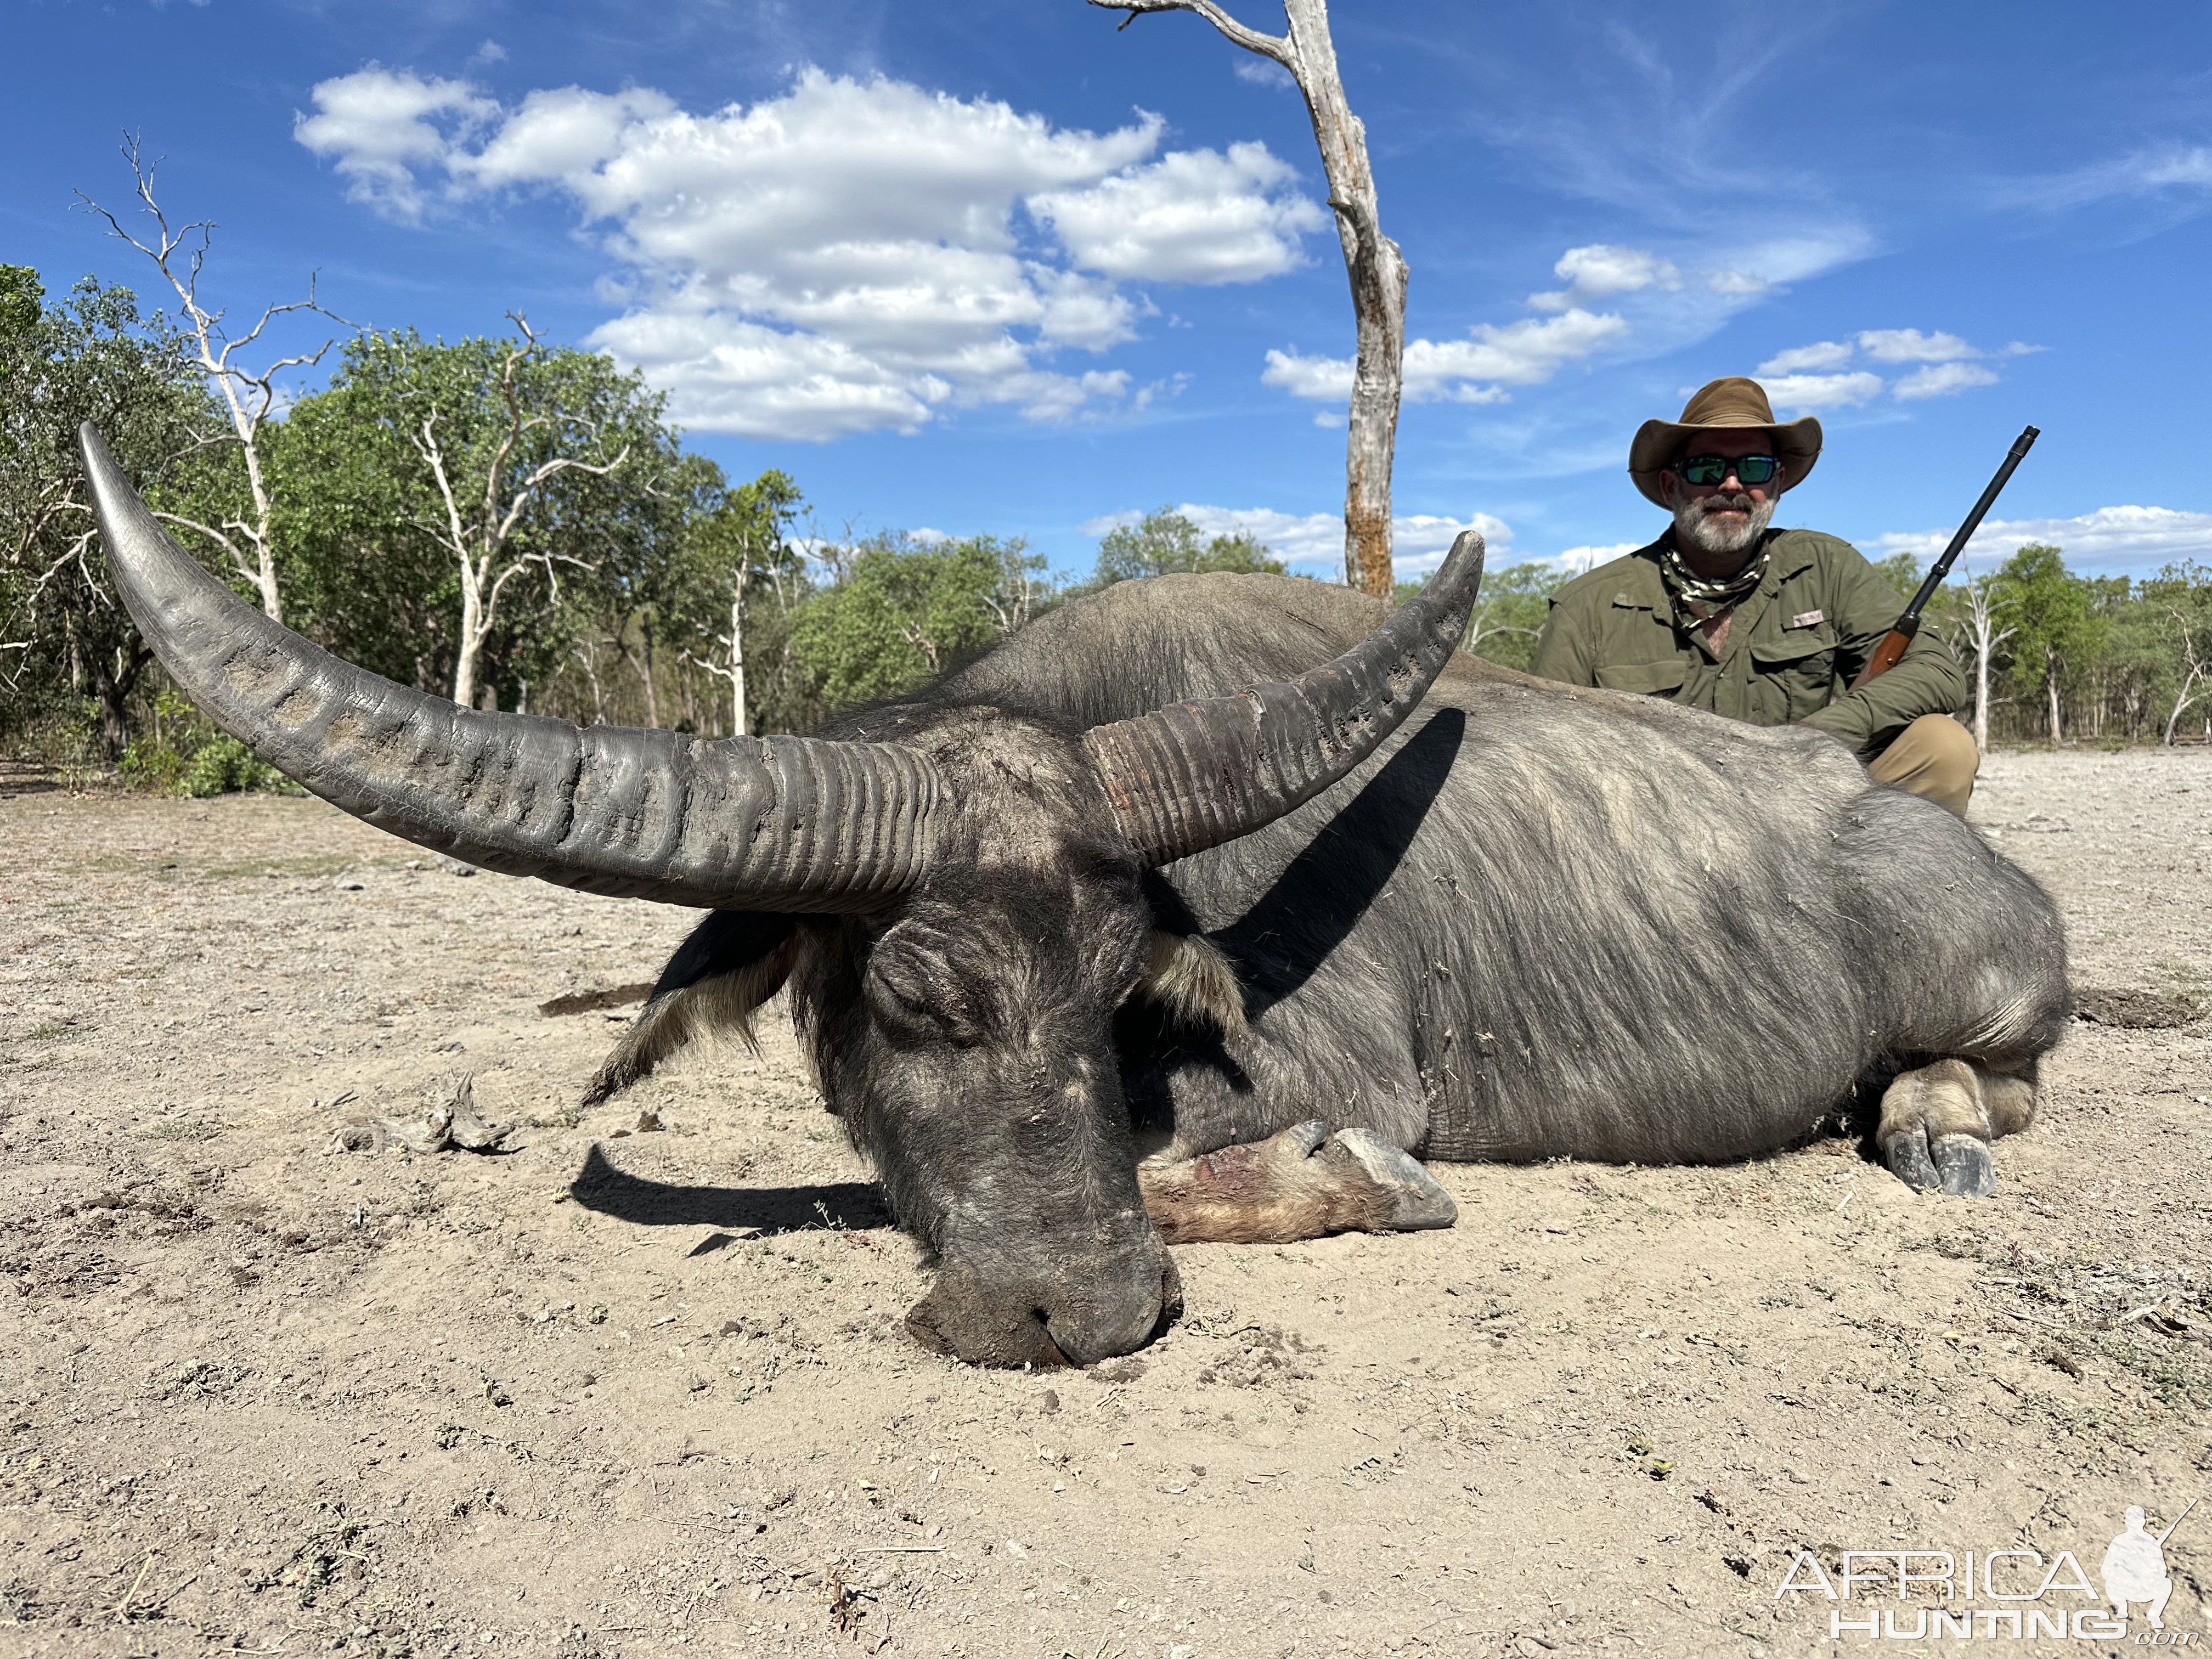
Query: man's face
1726	518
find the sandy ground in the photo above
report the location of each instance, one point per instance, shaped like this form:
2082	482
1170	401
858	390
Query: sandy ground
623	1393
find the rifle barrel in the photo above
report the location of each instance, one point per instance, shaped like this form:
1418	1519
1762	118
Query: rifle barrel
1908	622
2176	1522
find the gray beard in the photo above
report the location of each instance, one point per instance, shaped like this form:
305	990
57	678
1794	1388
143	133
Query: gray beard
1692	531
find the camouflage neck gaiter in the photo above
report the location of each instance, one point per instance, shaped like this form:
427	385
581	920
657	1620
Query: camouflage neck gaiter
1722	595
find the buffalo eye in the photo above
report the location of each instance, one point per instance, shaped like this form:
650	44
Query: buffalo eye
916	992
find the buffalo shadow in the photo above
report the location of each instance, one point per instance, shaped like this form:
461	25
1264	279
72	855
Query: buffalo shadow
762	1211
1288	931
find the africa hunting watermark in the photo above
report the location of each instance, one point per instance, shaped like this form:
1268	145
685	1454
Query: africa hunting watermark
2034	1595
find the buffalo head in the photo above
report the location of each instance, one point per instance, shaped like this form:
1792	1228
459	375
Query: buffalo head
953	891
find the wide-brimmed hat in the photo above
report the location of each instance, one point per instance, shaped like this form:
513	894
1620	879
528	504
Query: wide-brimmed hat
1732	404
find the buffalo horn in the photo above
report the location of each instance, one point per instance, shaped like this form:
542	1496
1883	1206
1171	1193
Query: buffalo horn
770	824
1195	774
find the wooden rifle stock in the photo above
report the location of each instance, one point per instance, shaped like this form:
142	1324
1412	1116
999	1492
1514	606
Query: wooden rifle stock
1886	655
1894	644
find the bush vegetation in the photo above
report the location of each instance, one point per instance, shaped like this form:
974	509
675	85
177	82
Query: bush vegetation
519	524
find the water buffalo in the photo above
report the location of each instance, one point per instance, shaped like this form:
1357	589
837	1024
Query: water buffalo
1142	928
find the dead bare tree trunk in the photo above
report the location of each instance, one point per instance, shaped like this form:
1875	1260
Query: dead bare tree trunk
2199	676
587	653
1372	260
738	656
247	394
733	669
1985	637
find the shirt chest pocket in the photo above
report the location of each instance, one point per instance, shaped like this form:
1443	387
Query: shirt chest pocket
1801	665
1652	679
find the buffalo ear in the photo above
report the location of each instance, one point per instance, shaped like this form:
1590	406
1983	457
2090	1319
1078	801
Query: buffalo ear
1190	977
731	963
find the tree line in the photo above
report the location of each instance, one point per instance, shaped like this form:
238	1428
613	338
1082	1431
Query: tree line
2050	654
508	522
517	524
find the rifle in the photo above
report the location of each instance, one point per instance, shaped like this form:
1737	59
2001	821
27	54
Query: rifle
1894	642
2177	1521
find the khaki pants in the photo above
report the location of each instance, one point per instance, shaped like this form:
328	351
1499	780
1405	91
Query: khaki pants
1934	757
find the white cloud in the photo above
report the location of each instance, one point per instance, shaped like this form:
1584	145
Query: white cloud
2180	167
380	125
1947	367
729	375
1821	353
1810	393
1655	305
1735	284
2145	172
1525	352
845	256
1419	540
1192	216
1470	371
1260	71
1942	380
1910	345
1580	559
1307	377
1601	270
2137	539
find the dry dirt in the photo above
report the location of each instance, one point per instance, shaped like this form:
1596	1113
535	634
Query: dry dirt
631	1394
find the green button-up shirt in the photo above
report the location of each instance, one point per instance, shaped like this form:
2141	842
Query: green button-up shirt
1796	641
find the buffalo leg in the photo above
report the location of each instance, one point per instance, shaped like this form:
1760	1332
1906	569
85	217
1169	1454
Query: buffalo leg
1938	1120
1301	1183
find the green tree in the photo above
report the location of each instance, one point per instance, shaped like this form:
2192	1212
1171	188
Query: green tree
901	611
1508	614
457	512
2177	603
65	640
733	550
2059	627
1165	543
1904	573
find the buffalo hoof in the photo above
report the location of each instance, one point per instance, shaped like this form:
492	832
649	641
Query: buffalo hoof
1957	1165
1963	1162
1416	1201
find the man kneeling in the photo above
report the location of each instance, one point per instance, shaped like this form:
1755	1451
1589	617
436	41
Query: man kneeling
1724	612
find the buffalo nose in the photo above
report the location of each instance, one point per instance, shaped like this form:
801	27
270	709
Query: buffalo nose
1076	1316
1101	1328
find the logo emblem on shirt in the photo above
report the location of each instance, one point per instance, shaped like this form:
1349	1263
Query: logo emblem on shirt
1807	619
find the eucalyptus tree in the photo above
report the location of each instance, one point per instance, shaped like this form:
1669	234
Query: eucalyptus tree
743	543
92	355
460	508
902	609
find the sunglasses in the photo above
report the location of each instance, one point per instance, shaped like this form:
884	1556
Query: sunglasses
1705	470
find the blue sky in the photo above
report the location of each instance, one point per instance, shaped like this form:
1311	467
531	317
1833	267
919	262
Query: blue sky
999	267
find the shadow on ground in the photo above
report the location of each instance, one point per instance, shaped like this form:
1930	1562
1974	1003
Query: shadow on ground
764	1211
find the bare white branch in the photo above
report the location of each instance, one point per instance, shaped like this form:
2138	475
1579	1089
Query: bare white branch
2197	683
250	395
480	539
1267	45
